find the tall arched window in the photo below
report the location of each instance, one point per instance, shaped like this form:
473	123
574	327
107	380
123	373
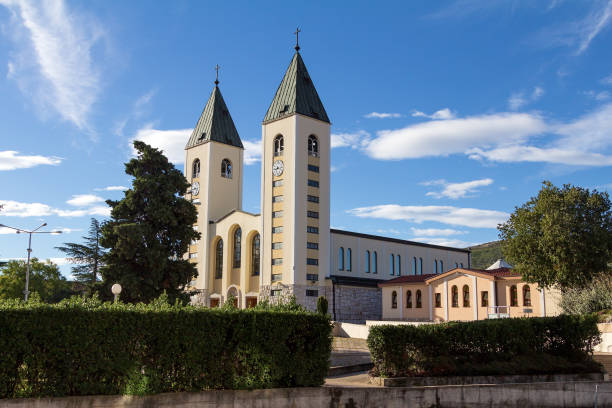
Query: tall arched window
226	169
455	296
441	267
349	259
461	264
408	299
466	296
195	168
255	255
435	266
394	300
219	259
398	267
367	262
279	145
456	265
237	247
420	266
414	266
375	262
391	264
313	146
513	296
526	295
341	259
419	299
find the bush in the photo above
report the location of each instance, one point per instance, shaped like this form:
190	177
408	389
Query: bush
322	305
84	347
541	345
594	297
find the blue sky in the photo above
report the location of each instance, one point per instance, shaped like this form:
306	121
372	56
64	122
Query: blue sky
445	115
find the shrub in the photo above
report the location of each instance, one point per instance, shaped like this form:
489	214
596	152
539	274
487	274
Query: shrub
322	305
541	345
83	347
596	296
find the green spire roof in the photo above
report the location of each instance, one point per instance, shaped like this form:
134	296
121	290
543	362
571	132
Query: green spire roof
296	94
215	124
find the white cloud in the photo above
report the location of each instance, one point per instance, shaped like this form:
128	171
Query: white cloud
514	154
112	188
59	49
455	243
598	96
252	151
377	115
519	99
101	210
607	80
442	114
354	140
592	25
83	200
19	209
432	232
456	190
11	160
468	217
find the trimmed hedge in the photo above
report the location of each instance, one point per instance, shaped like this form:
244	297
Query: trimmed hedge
540	345
83	348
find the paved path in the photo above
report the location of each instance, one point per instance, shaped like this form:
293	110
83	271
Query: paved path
359	379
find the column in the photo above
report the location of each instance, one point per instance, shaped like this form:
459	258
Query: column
446	301
401	303
430	303
475	297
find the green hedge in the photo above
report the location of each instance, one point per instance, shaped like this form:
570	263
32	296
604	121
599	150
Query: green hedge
541	345
84	348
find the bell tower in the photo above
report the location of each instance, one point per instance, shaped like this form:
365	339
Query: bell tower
295	189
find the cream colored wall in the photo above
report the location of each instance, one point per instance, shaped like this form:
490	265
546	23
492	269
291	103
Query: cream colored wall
413	313
438	313
519	311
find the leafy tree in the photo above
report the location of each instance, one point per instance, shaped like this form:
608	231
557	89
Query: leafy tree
594	297
87	256
45	279
322	305
563	236
149	232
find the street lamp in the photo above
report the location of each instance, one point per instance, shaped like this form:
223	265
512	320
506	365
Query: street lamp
26	292
116	289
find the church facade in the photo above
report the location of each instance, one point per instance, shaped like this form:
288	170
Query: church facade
288	249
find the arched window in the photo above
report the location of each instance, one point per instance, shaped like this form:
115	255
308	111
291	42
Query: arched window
367	262
279	145
466	296
526	295
349	259
219	260
414	266
461	264
408	299
375	263
513	296
394	300
435	266
255	255
456	265
313	146
237	247
420	266
341	259
195	168
398	266
226	168
455	296
441	267
391	264
419	299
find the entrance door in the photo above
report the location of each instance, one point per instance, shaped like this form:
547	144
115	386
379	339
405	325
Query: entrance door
251	302
214	302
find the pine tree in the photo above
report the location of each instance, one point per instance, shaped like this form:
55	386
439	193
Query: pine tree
149	232
87	256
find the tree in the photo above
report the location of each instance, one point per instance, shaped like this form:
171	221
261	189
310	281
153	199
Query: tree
562	237
149	232
87	256
45	279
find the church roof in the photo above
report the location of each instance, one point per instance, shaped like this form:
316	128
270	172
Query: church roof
296	94
500	263
215	124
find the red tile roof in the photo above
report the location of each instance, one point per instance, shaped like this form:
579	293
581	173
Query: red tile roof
407	279
498	273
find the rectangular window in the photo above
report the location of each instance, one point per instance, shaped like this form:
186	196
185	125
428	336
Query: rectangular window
484	296
277	261
313	168
438	299
277	214
277	230
275	292
277	199
277	245
277	183
277	277
312	292
312	261
312	199
313	183
312	277
312	214
193	255
312	245
312	230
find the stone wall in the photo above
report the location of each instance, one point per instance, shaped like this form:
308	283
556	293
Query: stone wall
299	291
354	304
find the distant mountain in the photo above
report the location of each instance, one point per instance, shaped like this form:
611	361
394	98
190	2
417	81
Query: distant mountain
484	255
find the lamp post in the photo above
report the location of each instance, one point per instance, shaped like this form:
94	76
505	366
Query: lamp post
116	289
26	292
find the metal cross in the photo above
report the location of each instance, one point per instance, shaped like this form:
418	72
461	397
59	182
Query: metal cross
297	38
217	78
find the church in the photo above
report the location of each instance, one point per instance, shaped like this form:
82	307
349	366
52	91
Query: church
288	249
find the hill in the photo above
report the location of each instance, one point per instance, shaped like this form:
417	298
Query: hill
485	254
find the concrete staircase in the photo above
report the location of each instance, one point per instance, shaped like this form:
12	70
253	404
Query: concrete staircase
349	355
605	359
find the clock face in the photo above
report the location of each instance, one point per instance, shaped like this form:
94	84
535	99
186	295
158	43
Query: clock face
277	168
195	188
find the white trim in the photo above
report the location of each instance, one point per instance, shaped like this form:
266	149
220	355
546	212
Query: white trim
493	297
445	300
430	303
401	302
475	297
